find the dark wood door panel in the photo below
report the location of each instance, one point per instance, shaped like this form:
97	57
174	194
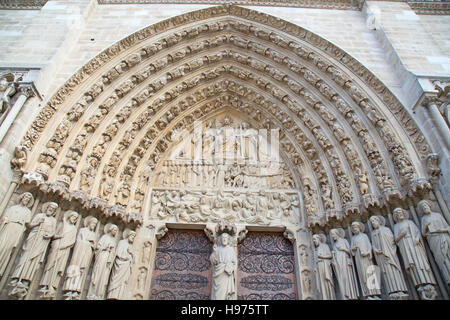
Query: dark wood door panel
182	267
266	268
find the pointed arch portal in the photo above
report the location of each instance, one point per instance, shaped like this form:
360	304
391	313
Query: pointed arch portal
115	141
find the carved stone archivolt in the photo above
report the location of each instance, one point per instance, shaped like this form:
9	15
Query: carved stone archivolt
243	119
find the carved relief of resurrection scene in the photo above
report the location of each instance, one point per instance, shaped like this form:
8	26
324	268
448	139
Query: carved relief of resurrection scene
225	171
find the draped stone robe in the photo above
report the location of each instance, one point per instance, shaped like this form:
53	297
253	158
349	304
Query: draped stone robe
59	253
103	262
121	270
35	247
12	227
324	272
224	285
413	254
363	263
81	259
436	230
343	265
387	260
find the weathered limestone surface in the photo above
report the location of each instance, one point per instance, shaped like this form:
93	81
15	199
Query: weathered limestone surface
118	141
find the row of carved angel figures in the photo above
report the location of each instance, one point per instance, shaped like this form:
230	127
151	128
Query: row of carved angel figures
247	207
355	260
71	252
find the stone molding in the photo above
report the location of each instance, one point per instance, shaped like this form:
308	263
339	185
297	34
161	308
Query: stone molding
22	4
319	4
430	7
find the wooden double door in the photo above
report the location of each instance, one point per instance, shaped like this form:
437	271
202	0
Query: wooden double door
182	271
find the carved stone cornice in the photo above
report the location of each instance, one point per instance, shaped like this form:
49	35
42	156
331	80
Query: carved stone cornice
22	4
317	4
430	7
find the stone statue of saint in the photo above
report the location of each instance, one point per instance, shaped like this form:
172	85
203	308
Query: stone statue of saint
121	271
104	257
362	251
343	265
12	226
407	236
224	261
42	229
63	241
324	272
385	251
436	230
81	259
7	90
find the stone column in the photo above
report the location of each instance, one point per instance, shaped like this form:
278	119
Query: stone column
144	260
26	91
306	283
9	193
431	105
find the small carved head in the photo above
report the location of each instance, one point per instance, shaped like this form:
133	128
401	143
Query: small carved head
319	238
399	214
112	229
357	227
338	233
225	239
26	199
50	208
424	207
72	216
377	221
131	236
90	222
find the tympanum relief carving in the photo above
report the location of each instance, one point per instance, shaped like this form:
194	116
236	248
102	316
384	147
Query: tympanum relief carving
225	171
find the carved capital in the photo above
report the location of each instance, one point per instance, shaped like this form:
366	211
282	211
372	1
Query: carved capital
27	90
